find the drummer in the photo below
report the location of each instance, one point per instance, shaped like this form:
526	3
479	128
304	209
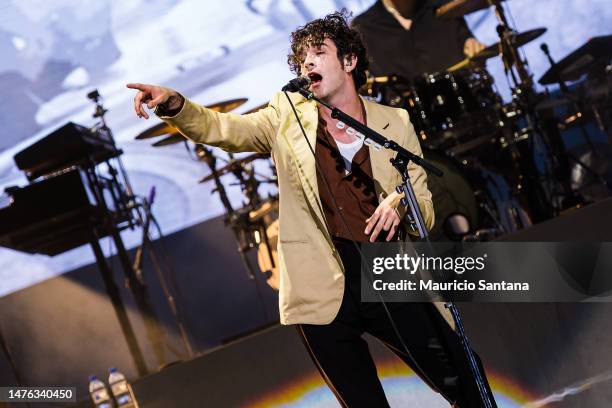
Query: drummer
405	38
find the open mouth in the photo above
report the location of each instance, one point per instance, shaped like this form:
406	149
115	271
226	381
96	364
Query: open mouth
314	77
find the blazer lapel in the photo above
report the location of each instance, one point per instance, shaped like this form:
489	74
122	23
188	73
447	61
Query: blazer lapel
382	170
304	159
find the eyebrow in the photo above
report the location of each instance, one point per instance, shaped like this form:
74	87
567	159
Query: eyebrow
302	52
320	45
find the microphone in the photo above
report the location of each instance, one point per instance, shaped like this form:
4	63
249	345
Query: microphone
296	84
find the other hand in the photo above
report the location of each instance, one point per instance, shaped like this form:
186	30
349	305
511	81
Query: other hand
384	218
472	47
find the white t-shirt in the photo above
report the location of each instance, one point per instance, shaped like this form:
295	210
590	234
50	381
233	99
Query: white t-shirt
348	151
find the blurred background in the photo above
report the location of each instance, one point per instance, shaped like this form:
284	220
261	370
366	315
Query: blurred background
55	52
57	324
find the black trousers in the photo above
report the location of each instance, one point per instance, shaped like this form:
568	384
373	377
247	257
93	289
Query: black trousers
435	352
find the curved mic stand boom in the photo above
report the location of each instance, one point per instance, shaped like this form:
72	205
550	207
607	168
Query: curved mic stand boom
400	163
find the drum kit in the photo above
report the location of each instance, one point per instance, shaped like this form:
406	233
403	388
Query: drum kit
505	164
502	162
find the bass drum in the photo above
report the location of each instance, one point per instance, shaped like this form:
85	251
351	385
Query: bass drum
472	201
453	194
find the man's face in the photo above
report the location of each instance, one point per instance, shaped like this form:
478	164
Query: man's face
322	66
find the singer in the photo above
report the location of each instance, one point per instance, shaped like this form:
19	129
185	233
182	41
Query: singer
335	193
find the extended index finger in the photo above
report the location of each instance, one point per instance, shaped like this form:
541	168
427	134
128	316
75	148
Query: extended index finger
139	86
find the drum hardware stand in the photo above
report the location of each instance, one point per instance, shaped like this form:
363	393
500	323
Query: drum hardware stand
605	126
487	208
523	93
250	187
113	292
576	104
579	108
103	129
238	222
124	201
400	163
537	191
510	55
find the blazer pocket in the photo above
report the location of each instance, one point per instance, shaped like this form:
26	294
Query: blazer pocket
293	241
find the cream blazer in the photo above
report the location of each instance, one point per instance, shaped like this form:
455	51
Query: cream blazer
311	271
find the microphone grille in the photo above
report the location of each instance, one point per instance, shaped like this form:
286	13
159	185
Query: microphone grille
303	81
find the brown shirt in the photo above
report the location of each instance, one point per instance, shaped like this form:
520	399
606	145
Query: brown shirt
354	192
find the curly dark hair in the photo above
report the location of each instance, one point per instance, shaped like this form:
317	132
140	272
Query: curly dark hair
335	27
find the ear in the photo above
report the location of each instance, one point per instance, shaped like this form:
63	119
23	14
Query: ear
350	62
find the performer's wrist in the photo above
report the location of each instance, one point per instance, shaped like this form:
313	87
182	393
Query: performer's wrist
172	106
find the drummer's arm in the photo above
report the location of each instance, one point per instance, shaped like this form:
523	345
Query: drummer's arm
231	132
470	45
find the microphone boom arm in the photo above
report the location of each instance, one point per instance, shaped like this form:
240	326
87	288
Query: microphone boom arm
376	137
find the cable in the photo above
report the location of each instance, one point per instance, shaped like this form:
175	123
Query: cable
167	282
357	247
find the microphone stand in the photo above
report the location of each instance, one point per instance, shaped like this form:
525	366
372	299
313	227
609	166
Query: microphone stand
400	163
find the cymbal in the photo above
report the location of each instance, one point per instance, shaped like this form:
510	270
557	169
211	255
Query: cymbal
169	140
163	128
227	106
590	57
459	8
159	129
255	109
233	164
494	50
518	39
